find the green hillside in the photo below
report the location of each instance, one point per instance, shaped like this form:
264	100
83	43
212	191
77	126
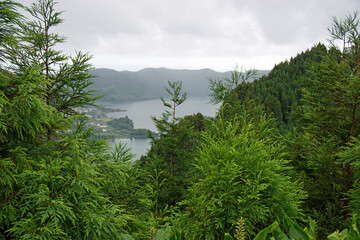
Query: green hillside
149	83
279	91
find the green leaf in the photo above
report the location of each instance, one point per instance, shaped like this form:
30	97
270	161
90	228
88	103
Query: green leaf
278	234
228	237
176	236
126	237
163	233
338	236
311	232
263	234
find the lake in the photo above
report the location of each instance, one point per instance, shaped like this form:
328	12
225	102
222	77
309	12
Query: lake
141	111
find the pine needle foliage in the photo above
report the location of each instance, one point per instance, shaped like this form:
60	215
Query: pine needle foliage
68	76
243	174
62	192
66	186
23	113
9	16
221	89
329	118
351	155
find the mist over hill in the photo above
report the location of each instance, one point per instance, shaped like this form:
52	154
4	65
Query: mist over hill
149	83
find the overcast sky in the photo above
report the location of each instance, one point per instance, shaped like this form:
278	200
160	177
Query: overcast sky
195	34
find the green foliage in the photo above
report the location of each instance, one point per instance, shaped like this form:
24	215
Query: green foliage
67	187
177	98
352	233
60	190
178	145
122	125
163	125
328	115
168	169
347	32
350	156
201	179
326	125
279	91
291	230
167	233
240	231
335	92
23	113
125	188
71	82
287	230
9	16
243	174
221	88
68	76
171	154
169	128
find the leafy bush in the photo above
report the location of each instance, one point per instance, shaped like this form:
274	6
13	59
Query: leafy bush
243	174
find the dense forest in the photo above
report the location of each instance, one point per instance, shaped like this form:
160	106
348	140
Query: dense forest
279	161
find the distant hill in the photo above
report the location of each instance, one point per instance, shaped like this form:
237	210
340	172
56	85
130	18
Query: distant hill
149	83
279	91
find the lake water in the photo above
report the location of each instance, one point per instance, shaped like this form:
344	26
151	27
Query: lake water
141	111
139	146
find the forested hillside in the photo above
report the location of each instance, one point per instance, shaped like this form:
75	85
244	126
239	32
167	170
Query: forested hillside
280	90
149	83
279	161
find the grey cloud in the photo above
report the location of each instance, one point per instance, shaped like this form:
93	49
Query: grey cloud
297	21
183	29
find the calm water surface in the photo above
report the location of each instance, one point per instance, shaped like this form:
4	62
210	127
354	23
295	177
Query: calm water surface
141	111
139	146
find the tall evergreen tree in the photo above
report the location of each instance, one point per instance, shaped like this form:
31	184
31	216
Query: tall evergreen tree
58	188
68	75
221	89
166	127
8	19
330	118
168	170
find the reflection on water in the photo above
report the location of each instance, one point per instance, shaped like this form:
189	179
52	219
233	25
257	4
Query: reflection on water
141	111
139	146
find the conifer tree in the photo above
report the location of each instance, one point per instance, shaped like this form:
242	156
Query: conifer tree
351	155
8	19
221	89
60	188
167	127
170	158
68	75
330	117
242	175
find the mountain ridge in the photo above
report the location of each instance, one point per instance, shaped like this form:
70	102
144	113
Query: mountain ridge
149	83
